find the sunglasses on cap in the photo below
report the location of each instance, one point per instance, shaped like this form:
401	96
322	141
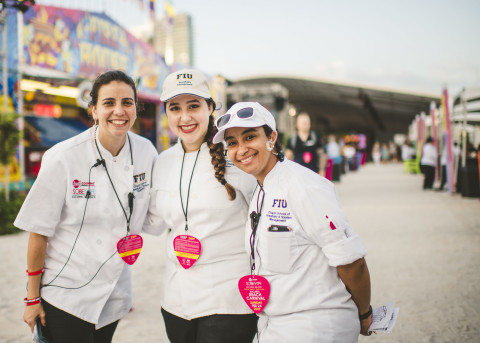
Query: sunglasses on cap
244	113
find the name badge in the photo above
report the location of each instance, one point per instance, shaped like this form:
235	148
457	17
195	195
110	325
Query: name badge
255	290
187	249
129	248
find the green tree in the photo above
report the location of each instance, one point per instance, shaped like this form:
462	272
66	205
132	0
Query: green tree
9	211
9	136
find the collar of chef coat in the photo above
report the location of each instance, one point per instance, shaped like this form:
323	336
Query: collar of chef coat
180	146
124	153
120	168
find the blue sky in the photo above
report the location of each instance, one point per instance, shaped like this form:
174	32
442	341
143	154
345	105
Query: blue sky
411	45
416	45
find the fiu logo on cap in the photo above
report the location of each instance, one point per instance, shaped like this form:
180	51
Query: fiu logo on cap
184	76
280	203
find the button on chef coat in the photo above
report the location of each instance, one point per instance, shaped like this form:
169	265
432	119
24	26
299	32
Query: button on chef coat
55	206
210	286
300	264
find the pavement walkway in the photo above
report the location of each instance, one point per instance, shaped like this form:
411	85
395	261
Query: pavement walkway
423	254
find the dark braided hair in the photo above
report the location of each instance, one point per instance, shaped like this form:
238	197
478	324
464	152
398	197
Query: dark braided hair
218	156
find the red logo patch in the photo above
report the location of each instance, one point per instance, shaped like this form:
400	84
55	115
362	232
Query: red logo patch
76	183
332	226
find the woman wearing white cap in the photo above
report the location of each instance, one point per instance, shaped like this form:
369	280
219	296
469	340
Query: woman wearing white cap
203	201
299	239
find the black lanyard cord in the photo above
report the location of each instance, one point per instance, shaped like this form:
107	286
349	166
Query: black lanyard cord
185	211
130	204
254	221
76	238
130	195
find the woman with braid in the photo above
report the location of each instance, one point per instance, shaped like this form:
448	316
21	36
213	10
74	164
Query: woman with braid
202	200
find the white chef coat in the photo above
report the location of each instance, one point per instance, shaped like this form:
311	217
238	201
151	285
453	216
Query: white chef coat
210	286
407	152
300	264
55	206
429	155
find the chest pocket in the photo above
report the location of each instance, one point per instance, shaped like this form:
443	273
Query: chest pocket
280	251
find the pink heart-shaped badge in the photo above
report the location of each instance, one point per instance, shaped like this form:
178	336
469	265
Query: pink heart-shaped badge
255	290
307	156
129	248
187	249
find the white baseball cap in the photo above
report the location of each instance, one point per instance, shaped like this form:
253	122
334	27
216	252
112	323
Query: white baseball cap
185	81
243	114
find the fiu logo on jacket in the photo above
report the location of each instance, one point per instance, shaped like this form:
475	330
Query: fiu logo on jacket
140	182
279	211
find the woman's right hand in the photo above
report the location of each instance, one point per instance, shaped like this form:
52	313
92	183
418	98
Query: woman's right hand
37	247
32	313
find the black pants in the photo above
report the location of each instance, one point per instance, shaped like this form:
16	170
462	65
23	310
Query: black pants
63	327
218	328
429	173
444	176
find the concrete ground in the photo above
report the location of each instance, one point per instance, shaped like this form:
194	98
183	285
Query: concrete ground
424	255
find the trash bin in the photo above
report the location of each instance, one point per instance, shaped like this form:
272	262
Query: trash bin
470	183
336	171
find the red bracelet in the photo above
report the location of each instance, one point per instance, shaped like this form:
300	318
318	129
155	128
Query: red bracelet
30	302
38	272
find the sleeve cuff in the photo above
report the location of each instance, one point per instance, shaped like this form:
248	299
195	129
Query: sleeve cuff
345	252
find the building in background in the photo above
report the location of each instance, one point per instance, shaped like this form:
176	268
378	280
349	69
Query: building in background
58	47
174	39
54	55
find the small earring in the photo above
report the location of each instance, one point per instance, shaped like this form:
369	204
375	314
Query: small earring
269	145
96	122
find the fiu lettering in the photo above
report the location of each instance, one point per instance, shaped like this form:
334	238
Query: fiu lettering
279	203
139	177
185	76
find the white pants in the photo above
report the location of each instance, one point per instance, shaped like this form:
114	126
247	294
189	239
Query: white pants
315	326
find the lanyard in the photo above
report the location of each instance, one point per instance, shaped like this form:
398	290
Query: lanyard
254	220
130	205
130	195
185	210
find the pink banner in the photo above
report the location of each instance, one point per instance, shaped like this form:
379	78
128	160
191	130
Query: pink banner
449	143
434	133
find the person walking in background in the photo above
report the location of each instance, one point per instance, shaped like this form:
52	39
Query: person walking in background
349	152
444	161
333	149
408	153
428	163
443	170
392	151
334	157
298	238
376	153
86	206
385	153
203	200
305	147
